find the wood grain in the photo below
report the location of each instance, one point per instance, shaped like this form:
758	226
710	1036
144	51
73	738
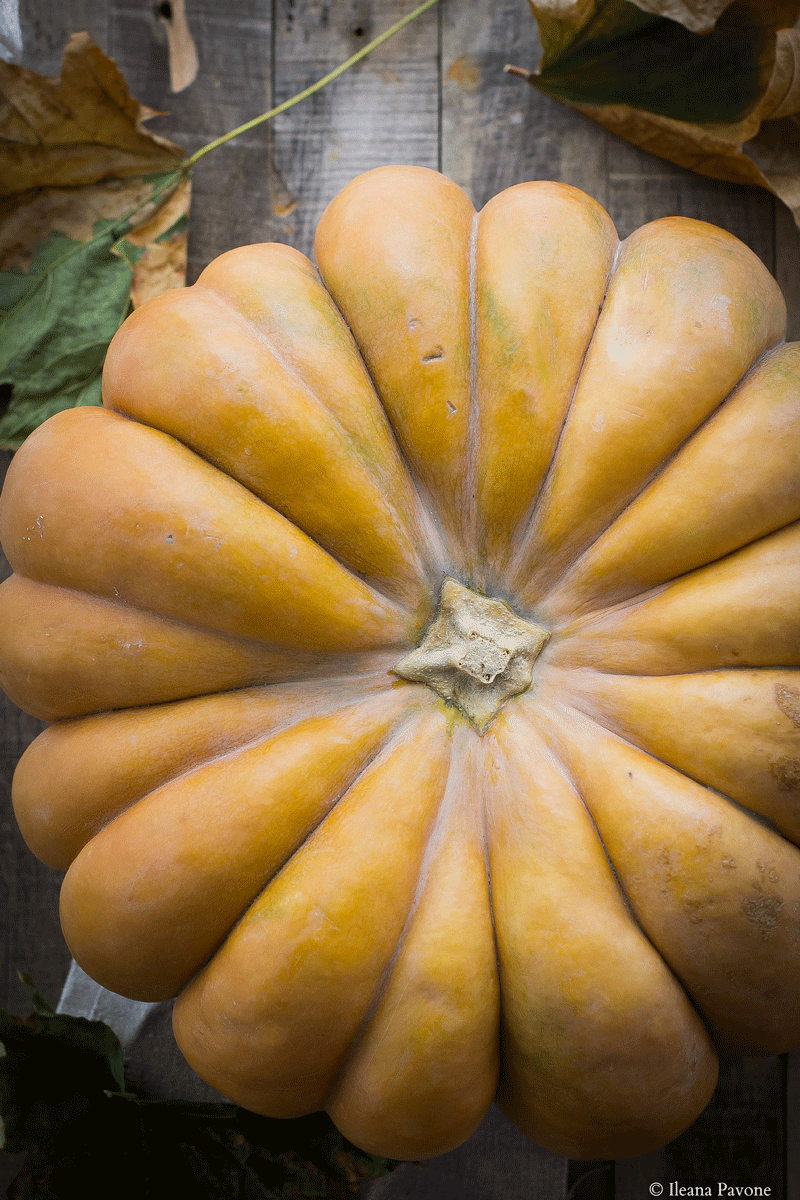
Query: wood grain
384	110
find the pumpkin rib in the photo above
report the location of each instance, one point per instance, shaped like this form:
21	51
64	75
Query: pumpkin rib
316	601
416	1086
750	1023
560	585
517	557
580	1102
57	844
596	704
566	520
425	569
434	215
649	638
569	777
436	831
623	891
249	994
196	662
398	731
129	833
760	818
430	523
541	251
470	523
427	514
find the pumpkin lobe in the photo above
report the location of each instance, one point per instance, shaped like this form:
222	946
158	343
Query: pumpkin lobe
476	654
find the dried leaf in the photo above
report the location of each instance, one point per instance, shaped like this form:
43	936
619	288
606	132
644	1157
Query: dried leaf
62	1100
154	222
162	266
698	15
94	236
78	129
725	104
29	218
182	52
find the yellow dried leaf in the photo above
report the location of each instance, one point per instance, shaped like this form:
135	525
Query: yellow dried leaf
162	266
153	223
182	52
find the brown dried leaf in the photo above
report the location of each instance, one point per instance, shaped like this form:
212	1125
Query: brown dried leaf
162	266
182	52
75	130
761	147
151	223
697	15
29	217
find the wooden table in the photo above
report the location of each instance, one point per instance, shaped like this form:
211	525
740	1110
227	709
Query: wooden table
435	95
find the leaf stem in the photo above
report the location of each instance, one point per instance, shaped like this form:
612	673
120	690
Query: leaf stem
315	87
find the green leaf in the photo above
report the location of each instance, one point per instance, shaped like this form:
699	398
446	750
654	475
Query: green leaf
619	54
57	321
52	1072
62	1099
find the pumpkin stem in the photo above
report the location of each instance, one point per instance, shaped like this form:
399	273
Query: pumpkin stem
476	654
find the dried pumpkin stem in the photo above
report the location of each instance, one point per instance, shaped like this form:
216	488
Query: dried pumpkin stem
476	654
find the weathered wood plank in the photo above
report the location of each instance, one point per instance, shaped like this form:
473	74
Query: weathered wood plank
384	110
787	272
497	130
496	1163
792	1110
47	27
30	935
233	187
643	187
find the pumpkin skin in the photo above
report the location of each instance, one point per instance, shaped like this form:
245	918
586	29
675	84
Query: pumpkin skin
363	901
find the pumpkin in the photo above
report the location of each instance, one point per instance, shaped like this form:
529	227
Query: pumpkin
421	637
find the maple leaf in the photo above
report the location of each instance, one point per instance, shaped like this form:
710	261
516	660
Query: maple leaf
707	84
93	219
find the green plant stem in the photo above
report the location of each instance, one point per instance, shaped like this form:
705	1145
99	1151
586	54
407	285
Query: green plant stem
183	169
315	87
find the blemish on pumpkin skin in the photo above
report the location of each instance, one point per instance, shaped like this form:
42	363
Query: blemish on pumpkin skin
788	701
728	861
770	872
763	911
435	355
786	773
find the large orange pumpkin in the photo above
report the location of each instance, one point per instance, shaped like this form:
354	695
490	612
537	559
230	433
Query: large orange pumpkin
421	636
